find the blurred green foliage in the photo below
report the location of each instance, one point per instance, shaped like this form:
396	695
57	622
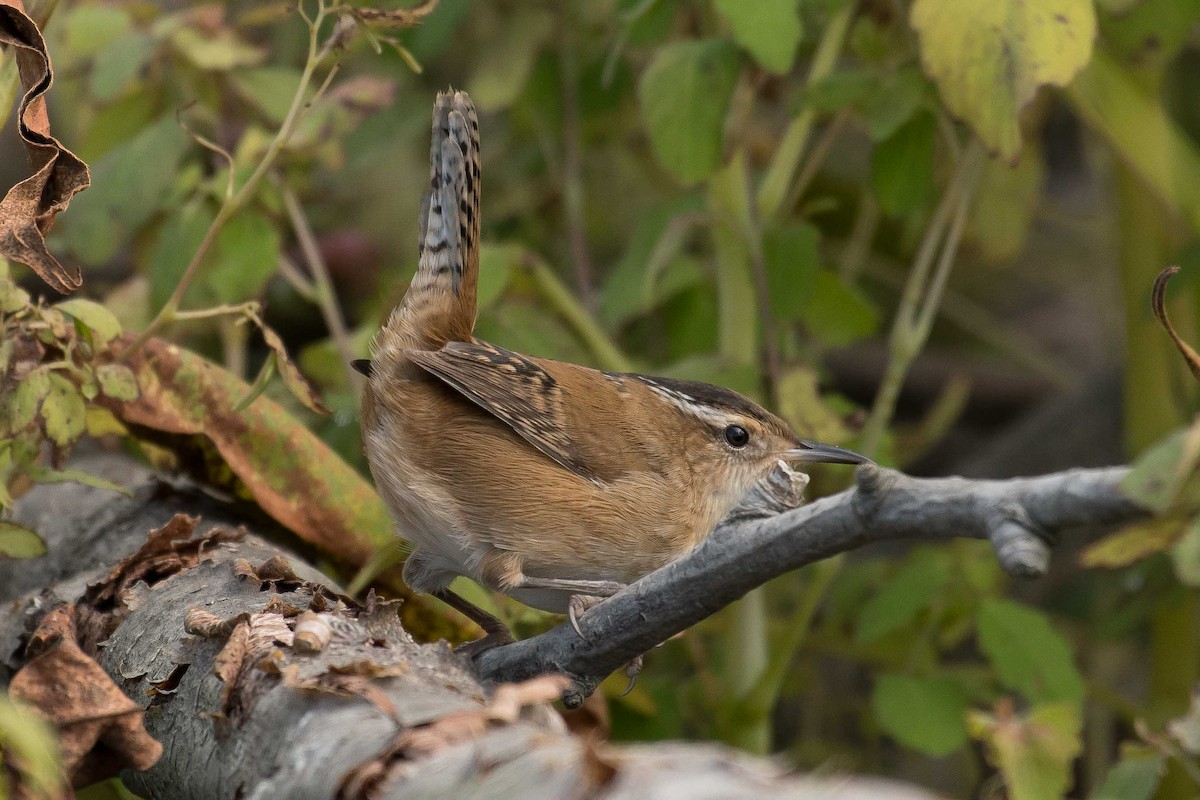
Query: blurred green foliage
735	192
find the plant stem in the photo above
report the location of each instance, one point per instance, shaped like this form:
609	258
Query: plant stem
783	166
169	312
324	294
922	294
572	169
559	297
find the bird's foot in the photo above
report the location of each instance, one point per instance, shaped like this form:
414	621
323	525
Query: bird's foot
632	670
577	606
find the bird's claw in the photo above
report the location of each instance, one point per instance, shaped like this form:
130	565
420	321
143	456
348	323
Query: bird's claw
577	606
632	670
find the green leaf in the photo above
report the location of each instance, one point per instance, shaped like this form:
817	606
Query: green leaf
119	63
503	67
64	412
47	475
926	714
768	29
178	239
684	96
90	27
793	257
1029	655
1132	778
841	89
103	324
129	184
905	595
989	59
837	314
893	101
801	404
658	234
270	89
19	542
1185	555
12	297
27	399
117	381
245	255
220	52
1004	205
902	166
496	262
30	741
265	373
1034	752
1162	471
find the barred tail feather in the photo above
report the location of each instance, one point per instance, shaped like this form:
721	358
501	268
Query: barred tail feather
439	305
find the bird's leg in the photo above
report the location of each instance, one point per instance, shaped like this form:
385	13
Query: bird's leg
590	594
496	633
584	594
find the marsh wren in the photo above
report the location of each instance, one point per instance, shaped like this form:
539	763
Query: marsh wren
553	483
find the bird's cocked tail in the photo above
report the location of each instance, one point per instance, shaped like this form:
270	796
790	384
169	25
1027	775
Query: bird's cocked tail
439	305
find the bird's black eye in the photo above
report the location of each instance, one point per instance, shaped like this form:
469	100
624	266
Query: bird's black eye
737	436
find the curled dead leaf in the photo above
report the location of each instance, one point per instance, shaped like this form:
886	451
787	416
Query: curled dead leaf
1158	301
100	729
28	209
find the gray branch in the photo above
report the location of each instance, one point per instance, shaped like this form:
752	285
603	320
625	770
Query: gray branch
770	534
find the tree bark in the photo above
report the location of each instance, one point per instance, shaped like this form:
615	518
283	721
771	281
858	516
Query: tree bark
261	680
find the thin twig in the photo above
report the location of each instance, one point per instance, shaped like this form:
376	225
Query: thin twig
325	295
572	168
1019	516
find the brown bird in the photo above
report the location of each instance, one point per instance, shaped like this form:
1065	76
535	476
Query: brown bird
553	483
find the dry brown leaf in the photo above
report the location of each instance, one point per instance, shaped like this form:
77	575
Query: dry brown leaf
72	692
29	208
395	17
295	382
506	705
290	472
1158	302
252	641
168	550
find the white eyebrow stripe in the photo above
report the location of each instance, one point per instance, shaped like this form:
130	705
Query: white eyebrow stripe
689	405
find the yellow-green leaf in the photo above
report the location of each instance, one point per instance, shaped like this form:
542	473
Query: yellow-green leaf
19	542
103	324
768	29
64	412
1034	752
989	59
117	381
42	474
1134	542
27	399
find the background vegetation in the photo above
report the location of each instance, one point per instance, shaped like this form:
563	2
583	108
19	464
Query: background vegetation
925	230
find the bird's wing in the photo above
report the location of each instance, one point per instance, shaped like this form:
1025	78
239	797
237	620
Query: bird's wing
512	388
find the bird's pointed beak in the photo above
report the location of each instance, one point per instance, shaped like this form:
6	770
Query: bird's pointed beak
827	453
